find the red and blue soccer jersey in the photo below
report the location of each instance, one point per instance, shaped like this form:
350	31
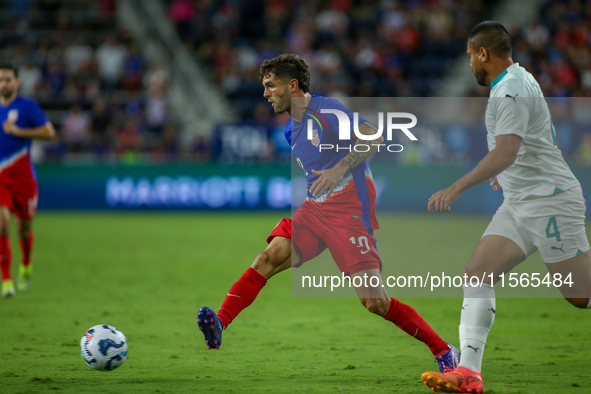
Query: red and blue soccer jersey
15	160
343	222
356	192
18	181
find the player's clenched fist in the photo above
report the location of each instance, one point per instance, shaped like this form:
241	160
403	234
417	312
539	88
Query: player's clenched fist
494	183
442	200
9	127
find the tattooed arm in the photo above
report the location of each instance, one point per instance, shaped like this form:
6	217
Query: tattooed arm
355	158
329	179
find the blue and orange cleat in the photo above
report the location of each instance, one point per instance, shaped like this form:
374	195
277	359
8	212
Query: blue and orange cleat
449	361
211	326
460	380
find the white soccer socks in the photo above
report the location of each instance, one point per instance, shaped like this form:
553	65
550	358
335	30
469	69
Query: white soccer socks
478	315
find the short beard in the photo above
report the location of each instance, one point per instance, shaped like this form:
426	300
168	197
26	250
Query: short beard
7	95
286	106
481	77
279	110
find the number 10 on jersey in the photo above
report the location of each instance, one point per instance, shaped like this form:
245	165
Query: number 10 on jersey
361	242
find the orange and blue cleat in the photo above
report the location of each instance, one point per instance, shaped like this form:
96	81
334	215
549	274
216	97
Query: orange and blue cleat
460	380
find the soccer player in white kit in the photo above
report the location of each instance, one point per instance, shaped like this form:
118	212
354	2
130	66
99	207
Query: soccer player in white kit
543	206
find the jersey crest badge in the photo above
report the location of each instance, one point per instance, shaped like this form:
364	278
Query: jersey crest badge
13	115
315	138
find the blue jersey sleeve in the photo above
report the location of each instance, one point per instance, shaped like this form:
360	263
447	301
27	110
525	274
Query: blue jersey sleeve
35	115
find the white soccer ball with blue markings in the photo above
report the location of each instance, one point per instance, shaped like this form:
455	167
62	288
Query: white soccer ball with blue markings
103	347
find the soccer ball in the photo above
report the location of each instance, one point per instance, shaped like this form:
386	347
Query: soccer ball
103	347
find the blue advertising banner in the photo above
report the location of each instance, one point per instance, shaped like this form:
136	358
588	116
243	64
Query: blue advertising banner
245	187
164	187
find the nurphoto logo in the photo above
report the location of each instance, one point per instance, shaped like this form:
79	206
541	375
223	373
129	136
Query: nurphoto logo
345	127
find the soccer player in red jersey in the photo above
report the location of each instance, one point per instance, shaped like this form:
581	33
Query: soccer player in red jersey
340	207
22	121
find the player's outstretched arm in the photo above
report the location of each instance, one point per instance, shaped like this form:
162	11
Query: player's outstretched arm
329	179
45	132
495	162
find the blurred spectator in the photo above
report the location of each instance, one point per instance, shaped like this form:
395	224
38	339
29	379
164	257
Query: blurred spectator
134	105
76	130
55	79
100	117
133	68
156	113
29	76
100	125
565	75
78	55
130	139
166	147
537	36
110	57
156	79
182	13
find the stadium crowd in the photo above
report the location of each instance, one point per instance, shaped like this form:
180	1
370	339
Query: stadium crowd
109	104
90	78
354	48
556	48
383	48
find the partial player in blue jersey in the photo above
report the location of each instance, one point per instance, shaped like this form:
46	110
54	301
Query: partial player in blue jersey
340	207
22	121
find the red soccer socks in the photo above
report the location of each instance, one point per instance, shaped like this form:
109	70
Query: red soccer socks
241	294
5	258
408	320
27	248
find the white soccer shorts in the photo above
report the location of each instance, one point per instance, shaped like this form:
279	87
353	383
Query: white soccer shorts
554	225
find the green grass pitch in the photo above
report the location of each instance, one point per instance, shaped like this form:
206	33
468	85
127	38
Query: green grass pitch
148	274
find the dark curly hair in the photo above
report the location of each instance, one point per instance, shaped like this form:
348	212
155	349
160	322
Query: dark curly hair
289	66
9	66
